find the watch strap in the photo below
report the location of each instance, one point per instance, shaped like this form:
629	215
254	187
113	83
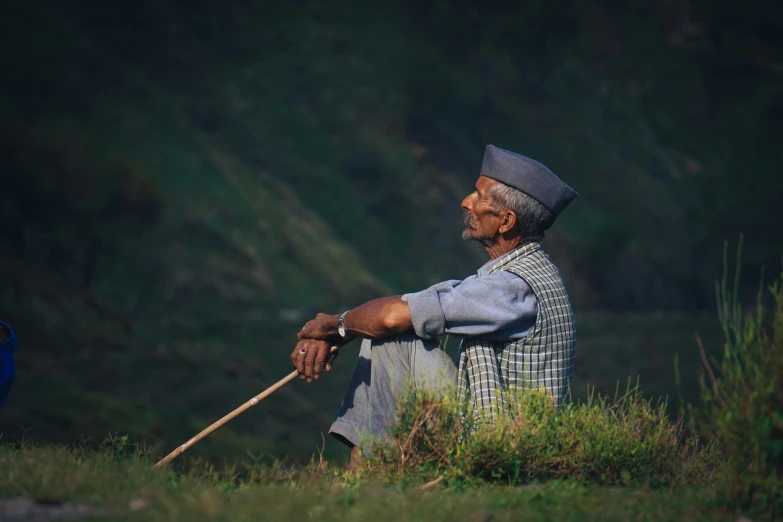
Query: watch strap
341	324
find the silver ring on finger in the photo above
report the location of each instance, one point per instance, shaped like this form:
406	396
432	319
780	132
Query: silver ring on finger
302	351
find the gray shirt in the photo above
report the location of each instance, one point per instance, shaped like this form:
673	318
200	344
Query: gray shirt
495	307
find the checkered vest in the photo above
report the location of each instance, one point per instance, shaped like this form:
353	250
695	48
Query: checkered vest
543	359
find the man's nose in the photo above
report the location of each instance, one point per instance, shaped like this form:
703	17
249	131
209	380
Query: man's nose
467	203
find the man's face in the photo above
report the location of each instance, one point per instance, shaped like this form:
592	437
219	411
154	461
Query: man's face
482	221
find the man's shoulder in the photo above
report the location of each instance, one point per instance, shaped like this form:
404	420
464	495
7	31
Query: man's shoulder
535	261
535	269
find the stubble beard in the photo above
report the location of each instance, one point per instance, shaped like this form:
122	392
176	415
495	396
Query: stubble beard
470	230
470	225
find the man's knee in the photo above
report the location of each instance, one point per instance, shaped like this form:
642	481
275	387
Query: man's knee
403	349
407	341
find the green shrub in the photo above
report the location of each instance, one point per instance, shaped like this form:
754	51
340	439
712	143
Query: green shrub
742	400
621	441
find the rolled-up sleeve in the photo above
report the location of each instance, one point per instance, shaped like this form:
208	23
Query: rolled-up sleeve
495	307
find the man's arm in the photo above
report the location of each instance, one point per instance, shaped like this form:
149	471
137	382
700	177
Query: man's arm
495	307
376	319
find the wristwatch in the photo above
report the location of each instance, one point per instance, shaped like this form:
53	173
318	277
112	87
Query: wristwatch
341	324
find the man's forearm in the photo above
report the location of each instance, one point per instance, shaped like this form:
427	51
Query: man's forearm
376	319
379	318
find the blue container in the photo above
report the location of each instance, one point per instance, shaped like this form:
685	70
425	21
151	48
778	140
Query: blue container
7	366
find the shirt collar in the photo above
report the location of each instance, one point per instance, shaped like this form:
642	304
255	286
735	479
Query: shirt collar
493	265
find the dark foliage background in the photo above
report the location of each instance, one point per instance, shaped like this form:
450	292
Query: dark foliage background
183	184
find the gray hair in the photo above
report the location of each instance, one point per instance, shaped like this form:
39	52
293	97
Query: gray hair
533	217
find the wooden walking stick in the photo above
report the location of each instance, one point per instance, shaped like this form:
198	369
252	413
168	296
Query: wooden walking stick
215	425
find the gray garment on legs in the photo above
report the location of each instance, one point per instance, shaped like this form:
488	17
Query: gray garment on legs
384	369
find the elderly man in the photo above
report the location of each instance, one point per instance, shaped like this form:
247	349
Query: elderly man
514	315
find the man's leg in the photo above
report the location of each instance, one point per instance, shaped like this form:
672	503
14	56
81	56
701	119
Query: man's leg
383	371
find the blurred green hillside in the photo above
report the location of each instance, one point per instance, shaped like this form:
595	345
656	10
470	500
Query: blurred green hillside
183	184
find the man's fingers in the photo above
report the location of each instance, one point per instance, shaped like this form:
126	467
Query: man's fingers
309	360
330	360
300	357
317	356
301	334
320	359
305	330
317	328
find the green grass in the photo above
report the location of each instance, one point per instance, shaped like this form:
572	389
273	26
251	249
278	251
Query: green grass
113	479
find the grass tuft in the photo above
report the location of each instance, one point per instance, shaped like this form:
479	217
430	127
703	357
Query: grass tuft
742	399
628	440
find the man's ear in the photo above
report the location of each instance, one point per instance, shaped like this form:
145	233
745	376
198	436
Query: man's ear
508	221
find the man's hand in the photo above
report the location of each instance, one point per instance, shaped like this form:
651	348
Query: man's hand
311	356
323	328
377	319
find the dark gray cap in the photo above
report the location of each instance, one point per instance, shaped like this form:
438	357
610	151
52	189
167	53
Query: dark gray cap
529	176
